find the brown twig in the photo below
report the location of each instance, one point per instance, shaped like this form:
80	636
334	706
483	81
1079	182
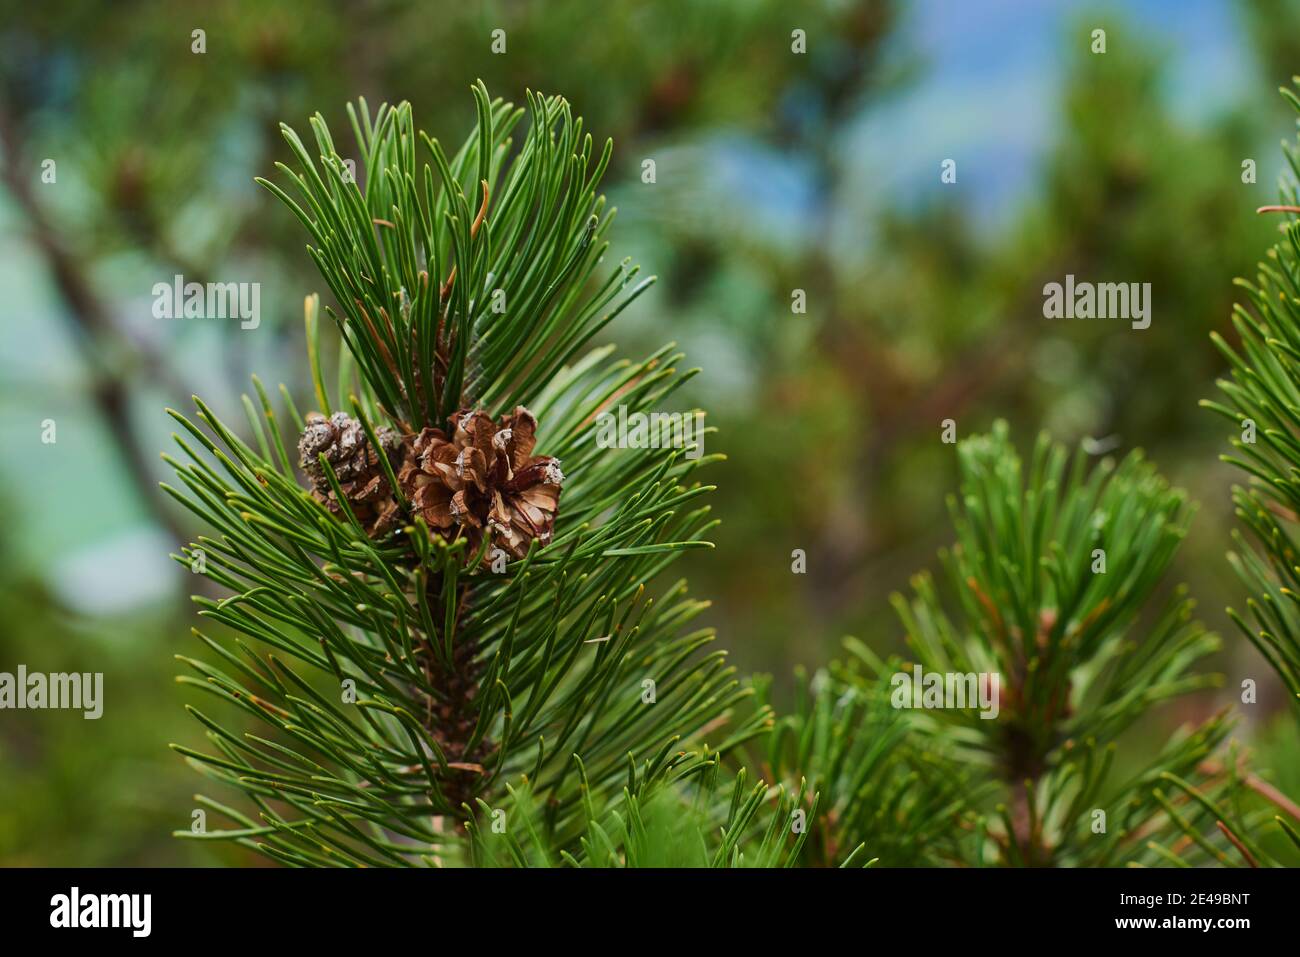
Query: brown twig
1236	842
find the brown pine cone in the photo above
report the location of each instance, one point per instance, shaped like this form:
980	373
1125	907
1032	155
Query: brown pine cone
482	479
356	466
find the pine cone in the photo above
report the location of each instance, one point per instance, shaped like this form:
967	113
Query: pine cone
484	479
356	466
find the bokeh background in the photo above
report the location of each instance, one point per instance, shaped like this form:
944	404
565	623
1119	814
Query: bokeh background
775	172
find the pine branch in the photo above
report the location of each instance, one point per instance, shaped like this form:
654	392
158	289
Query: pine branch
1262	400
412	661
1050	589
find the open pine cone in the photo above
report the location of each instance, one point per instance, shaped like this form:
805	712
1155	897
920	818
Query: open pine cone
484	479
356	466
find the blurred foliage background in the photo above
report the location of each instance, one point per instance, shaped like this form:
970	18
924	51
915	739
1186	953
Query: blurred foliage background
774	172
